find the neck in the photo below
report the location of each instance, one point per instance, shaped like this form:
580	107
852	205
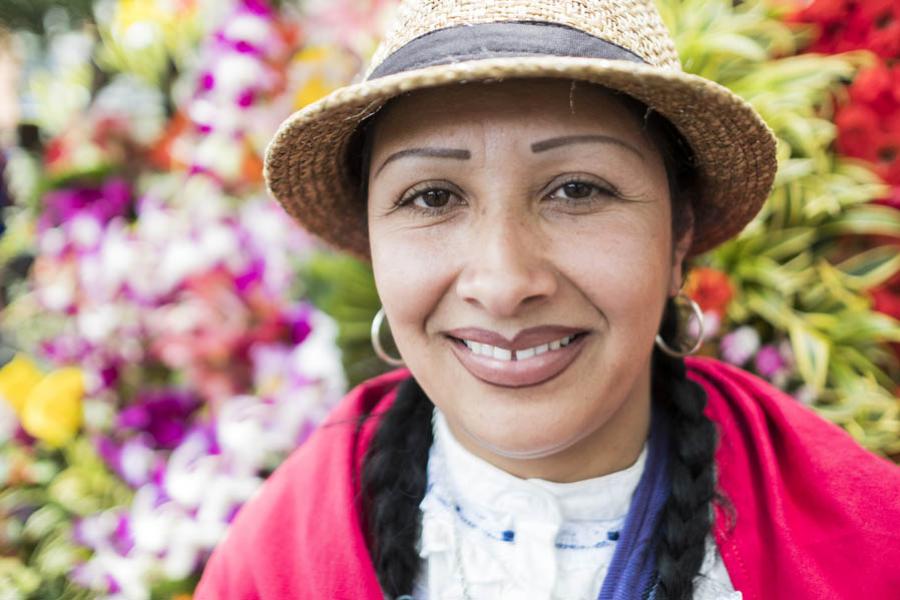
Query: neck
612	446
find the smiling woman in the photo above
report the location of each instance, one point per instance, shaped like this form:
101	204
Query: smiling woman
528	180
502	241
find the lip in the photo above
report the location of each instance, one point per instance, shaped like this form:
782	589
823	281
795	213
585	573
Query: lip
518	373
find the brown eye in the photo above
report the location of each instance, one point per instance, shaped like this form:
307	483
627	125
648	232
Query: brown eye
578	189
435	198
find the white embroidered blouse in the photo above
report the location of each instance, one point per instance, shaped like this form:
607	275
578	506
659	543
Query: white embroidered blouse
507	538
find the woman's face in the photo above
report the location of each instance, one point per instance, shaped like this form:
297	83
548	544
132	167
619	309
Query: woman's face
522	248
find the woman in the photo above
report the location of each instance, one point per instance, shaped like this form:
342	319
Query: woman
528	179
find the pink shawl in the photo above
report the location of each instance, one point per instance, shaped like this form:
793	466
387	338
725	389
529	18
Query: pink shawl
813	514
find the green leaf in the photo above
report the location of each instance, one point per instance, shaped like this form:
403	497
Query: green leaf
871	268
870	219
725	43
811	352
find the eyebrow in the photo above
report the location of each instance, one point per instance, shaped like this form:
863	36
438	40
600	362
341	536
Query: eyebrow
583	139
454	153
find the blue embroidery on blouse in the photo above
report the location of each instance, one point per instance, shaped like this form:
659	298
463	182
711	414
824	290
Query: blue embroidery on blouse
509	536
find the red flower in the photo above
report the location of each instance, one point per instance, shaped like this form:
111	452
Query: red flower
857	125
884	34
710	288
852	25
825	11
878	88
869	127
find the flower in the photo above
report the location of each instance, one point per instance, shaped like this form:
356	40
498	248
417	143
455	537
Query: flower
884	19
52	411
851	25
111	199
163	414
769	362
710	288
740	345
17	380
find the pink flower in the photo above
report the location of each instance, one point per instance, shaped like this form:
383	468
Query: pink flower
163	414
111	199
740	345
769	362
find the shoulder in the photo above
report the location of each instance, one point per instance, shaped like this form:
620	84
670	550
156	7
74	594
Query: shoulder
280	543
810	506
753	416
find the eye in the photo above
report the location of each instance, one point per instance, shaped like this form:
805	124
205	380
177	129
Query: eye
433	198
430	199
580	190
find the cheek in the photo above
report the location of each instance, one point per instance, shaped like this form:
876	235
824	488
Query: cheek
621	266
410	283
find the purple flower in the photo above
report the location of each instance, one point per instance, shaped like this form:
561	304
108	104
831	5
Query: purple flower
107	530
134	460
163	414
769	362
257	7
112	199
299	320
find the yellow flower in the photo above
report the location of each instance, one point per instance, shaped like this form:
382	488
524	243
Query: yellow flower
52	411
17	379
319	70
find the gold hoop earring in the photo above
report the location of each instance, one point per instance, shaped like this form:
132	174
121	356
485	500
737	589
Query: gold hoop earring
698	313
375	332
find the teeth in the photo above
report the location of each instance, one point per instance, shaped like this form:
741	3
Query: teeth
502	353
523	354
506	354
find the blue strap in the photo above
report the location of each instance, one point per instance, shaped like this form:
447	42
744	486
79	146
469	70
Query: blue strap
632	572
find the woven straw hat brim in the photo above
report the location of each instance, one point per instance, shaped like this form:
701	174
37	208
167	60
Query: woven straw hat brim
307	167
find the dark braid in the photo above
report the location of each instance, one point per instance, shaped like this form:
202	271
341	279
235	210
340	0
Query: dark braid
686	518
393	482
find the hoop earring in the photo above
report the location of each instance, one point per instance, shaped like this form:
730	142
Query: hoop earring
375	332
695	309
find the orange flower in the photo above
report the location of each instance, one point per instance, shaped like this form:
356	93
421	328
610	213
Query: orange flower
710	288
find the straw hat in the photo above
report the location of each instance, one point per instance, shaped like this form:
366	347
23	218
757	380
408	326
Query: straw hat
620	44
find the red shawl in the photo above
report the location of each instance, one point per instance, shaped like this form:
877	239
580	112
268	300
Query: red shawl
814	515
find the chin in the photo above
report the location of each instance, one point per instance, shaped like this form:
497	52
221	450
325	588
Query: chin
523	444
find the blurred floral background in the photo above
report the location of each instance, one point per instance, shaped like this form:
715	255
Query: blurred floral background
168	336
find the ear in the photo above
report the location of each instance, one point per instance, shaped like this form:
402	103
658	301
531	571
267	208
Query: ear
679	253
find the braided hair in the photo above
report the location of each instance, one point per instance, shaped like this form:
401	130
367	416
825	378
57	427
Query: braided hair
393	482
394	475
686	517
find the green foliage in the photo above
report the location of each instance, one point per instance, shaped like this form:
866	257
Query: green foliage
793	267
38	512
344	288
31	15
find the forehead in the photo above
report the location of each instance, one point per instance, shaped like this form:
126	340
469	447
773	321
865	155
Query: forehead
511	107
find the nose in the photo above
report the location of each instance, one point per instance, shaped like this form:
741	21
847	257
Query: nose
506	268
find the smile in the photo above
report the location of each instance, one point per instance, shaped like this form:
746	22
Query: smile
533	357
524	354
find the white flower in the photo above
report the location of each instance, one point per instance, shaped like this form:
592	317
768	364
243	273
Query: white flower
190	470
248	28
740	345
